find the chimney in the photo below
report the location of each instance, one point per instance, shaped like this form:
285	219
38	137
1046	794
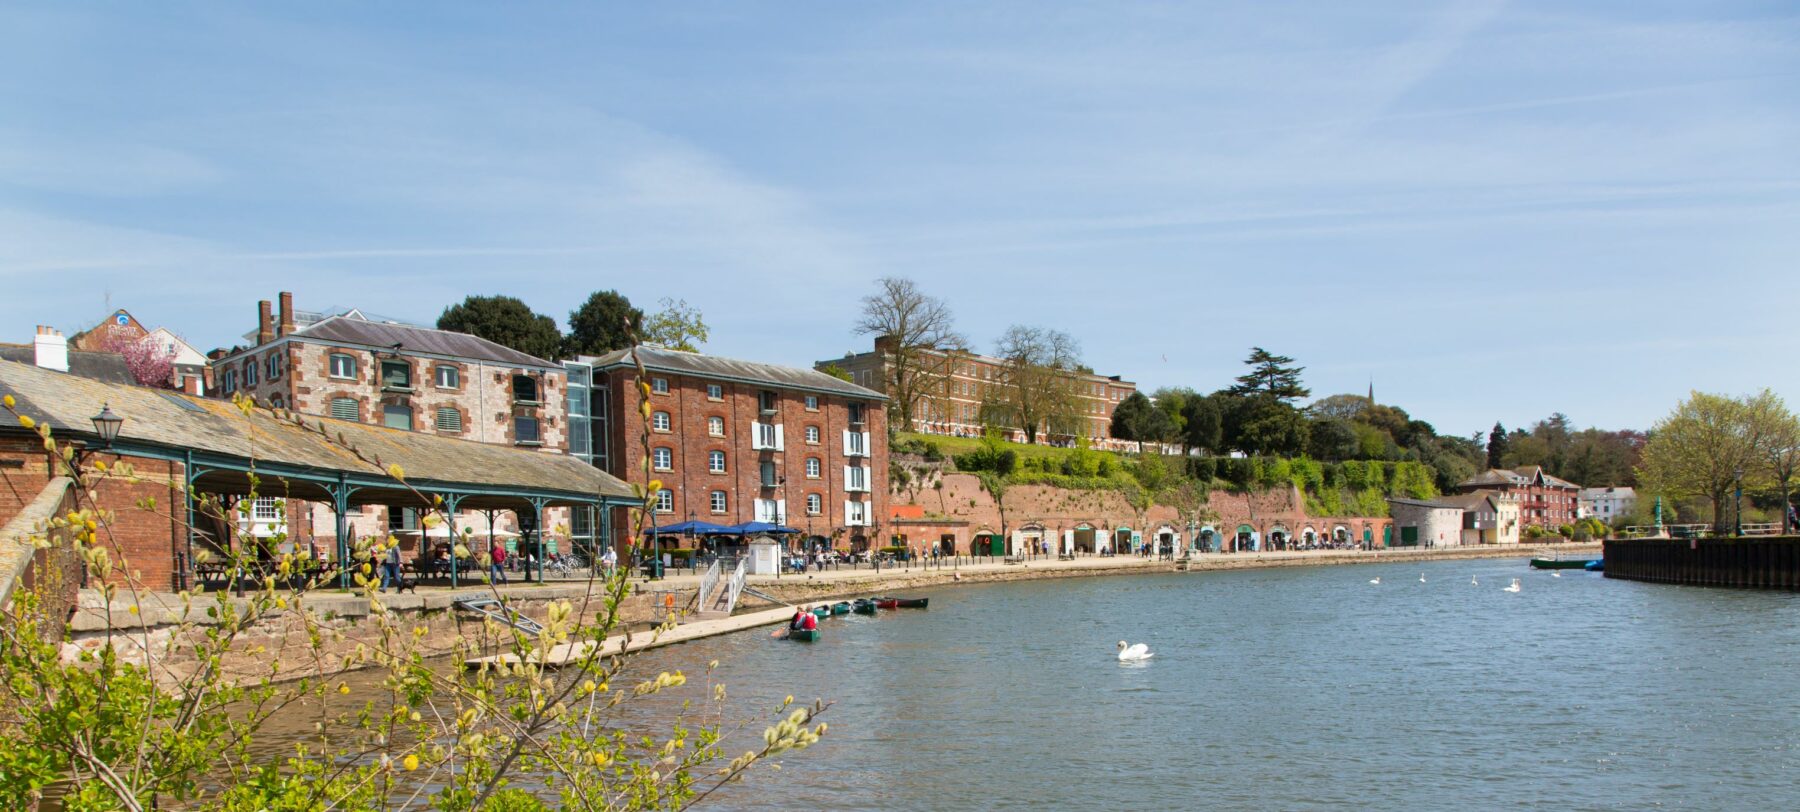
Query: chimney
51	349
287	314
265	324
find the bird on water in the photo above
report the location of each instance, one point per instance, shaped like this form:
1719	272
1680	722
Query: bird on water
1130	653
1376	580
1514	587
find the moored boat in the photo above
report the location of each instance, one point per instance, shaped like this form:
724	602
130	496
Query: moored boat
821	611
803	635
863	606
1561	563
840	608
1597	565
903	603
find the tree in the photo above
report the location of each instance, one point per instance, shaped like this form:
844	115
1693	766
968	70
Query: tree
1274	428
677	326
1702	449
841	374
1136	418
506	321
1340	407
1777	432
1037	391
914	331
1332	440
1271	375
150	364
606	322
1496	446
1202	429
996	485
1173	403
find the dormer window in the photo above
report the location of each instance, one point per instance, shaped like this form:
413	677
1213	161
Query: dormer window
525	389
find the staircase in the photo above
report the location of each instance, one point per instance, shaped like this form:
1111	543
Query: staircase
718	597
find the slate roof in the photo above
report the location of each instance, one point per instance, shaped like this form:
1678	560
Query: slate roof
711	366
375	334
181	421
109	367
1515	476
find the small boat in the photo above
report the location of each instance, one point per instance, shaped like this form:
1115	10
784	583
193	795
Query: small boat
821	611
903	603
1596	565
1561	563
863	606
803	635
841	608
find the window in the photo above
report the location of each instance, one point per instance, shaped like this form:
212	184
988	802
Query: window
396	375
343	366
814	504
812	403
718	501
525	430
813	468
856	479
665	501
767	401
768	474
856	513
715	462
277	402
274	366
265	509
346	409
856	413
400	519
449	377
659	385
660	421
765	437
768	510
449	419
250	372
856	443
662	459
230	382
525	389
715	426
715	392
812	434
395	416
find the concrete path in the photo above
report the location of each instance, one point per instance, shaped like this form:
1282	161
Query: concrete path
640	641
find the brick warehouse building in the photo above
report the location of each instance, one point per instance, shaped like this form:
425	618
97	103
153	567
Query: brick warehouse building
737	441
1544	500
351	367
967	380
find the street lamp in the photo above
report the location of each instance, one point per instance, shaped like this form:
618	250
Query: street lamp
1737	513
106	424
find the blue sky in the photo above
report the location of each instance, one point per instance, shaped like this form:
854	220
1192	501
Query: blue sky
1496	210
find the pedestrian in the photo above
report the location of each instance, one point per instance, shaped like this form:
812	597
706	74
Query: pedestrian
497	563
609	560
390	566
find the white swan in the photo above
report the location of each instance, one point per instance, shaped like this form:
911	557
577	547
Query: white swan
1473	582
1421	577
1376	580
1128	653
1556	573
1514	587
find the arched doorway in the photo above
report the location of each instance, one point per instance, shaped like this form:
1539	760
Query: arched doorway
987	543
1031	539
1084	539
1309	538
1340	536
1278	537
1208	540
1244	539
1121	540
1166	540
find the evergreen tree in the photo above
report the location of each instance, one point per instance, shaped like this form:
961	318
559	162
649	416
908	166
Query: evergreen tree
1496	448
598	326
506	321
1272	376
1203	428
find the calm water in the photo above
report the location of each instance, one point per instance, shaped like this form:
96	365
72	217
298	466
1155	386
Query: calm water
1291	689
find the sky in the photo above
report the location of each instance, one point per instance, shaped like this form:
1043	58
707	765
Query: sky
1492	210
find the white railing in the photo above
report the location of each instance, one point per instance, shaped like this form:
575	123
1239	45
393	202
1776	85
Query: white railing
708	583
737	583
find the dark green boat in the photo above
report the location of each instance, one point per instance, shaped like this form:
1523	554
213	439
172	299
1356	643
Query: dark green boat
803	635
1561	563
841	608
863	606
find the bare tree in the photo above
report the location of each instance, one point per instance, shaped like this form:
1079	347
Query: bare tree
1038	388
919	332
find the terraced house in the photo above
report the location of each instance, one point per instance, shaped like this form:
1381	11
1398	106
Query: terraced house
354	367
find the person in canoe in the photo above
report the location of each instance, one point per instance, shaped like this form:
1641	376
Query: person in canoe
804	620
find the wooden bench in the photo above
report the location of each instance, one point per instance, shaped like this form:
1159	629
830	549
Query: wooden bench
1015	559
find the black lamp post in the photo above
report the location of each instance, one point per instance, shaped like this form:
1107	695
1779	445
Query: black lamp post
1737	513
106	424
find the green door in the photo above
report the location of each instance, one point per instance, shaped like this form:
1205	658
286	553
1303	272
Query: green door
996	546
1409	536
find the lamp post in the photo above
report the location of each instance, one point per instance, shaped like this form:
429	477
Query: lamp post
106	424
1737	513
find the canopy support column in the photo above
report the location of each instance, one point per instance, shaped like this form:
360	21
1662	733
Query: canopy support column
340	505
451	501
537	510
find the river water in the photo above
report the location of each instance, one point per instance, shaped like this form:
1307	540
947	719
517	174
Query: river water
1289	689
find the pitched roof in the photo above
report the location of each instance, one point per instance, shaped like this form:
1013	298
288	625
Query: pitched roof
712	366
206	425
353	329
109	367
1523	475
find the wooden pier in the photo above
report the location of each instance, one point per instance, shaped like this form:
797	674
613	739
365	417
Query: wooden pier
1746	563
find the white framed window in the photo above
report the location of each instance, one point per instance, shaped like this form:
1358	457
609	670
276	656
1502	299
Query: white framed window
715	462
659	385
765	436
449	419
813	468
250	373
769	510
718	501
659	421
265	509
812	403
856	478
856	513
230	382
274	366
448	377
346	409
815	505
665	501
343	366
715	426
715	392
662	459
812	435
856	443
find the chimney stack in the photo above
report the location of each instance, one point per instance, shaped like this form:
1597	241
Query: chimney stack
265	324
51	349
287	314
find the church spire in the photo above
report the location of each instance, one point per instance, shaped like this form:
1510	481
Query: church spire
1371	390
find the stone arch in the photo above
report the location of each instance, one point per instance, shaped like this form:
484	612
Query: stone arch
1309	537
1244	538
1278	537
1086	538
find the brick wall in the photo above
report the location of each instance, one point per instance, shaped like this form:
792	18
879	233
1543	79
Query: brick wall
151	543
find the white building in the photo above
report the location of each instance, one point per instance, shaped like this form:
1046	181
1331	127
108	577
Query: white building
1607	504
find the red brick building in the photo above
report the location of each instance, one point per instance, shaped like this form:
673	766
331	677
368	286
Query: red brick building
737	441
1544	500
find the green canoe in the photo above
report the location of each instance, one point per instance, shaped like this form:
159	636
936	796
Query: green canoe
864	606
803	635
821	611
841	608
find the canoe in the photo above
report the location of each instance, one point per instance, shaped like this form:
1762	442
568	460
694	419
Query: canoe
903	603
803	635
821	611
1561	563
1598	565
842	608
863	606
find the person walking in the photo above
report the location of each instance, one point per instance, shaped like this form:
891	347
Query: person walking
609	560
390	566
497	563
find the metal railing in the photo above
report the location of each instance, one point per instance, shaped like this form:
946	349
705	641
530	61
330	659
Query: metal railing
737	584
708	583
